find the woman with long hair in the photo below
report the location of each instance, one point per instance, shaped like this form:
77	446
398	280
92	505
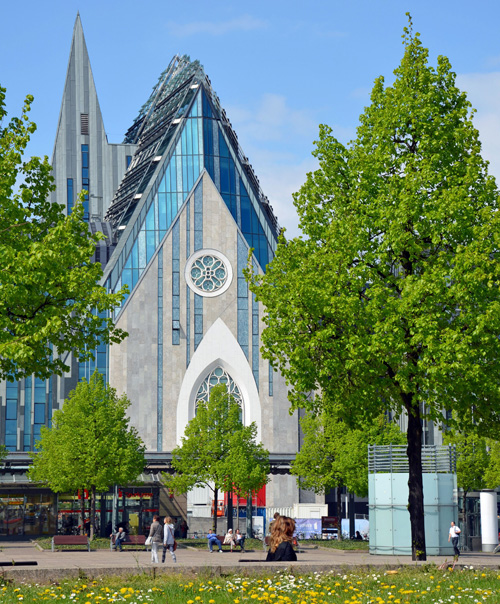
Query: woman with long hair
168	539
280	547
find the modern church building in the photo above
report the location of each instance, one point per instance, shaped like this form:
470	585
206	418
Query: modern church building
181	207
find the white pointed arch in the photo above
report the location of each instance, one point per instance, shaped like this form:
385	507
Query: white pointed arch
218	348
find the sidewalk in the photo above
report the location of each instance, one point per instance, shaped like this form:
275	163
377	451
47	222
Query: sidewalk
72	564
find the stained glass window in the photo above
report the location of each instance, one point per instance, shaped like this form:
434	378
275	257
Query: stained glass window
214	378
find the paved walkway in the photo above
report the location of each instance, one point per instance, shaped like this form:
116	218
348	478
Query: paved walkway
73	563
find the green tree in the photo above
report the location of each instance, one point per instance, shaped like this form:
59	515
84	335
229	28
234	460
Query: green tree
391	299
217	450
473	464
3	453
335	455
492	473
90	444
50	300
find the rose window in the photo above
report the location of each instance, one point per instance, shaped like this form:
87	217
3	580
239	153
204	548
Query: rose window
208	273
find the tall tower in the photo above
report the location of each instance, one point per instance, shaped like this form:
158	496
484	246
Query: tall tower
82	157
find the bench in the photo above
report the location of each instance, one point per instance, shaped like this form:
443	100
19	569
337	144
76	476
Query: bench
71	540
228	545
137	540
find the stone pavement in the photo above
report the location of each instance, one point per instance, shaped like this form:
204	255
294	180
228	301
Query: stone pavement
81	563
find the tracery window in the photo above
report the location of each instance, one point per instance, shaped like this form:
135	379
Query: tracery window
208	273
214	378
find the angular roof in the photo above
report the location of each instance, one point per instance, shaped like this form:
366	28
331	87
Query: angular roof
153	130
180	132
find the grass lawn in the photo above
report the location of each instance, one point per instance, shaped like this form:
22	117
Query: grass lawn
345	544
408	586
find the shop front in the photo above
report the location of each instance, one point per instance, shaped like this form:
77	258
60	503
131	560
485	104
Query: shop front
29	512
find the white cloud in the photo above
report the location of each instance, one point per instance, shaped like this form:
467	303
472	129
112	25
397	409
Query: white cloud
243	23
279	181
272	120
483	91
278	140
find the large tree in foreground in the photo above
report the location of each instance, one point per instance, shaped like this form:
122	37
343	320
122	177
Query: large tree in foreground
391	299
218	451
50	299
90	444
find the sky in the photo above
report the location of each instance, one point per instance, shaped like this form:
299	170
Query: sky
279	67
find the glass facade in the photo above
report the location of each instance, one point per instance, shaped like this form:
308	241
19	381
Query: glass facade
200	143
32	512
11	415
99	362
70	196
85	180
27	513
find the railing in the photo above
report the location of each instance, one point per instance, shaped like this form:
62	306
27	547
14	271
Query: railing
393	458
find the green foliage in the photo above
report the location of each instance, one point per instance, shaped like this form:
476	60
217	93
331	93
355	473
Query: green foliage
3	452
492	473
473	459
218	451
90	444
48	287
391	299
333	454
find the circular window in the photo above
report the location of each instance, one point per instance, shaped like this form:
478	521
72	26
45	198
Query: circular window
208	273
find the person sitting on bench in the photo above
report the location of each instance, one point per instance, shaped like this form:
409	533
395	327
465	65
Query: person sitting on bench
119	539
212	539
229	539
239	539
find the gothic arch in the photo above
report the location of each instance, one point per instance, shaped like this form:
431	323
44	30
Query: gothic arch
219	348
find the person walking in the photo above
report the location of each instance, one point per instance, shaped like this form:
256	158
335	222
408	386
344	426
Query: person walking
156	534
168	539
454	535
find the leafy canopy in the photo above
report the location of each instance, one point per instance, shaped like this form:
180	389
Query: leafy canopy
391	299
473	459
334	455
90	444
50	300
218	450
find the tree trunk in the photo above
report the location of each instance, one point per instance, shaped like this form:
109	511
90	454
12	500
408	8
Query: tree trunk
229	510
415	482
352	522
465	524
216	493
92	513
82	509
339	510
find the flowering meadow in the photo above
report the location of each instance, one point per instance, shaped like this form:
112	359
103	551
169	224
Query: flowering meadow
390	587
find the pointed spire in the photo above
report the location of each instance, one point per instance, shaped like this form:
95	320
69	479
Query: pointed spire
80	122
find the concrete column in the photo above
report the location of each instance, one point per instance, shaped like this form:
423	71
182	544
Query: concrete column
489	520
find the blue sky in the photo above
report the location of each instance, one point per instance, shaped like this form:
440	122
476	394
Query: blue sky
280	67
